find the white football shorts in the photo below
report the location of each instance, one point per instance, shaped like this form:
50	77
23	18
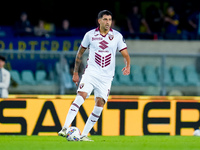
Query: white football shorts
101	87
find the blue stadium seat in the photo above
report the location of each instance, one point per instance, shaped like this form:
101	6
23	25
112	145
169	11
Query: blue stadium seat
123	80
178	77
137	75
115	80
16	76
40	76
151	77
167	76
191	75
67	78
28	77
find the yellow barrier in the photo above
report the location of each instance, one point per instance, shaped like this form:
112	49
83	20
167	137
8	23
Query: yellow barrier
122	115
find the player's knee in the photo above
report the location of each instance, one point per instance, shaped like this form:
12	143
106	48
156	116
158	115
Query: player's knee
83	94
100	102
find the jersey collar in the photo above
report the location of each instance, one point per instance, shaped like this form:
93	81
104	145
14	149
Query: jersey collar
97	31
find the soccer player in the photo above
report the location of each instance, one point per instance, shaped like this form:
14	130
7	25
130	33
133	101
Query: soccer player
4	79
102	43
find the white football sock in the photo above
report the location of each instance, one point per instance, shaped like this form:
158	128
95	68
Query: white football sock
73	110
94	116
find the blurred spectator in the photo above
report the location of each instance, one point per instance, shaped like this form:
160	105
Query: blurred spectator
4	78
40	66
64	30
114	26
154	17
134	21
171	23
50	28
23	26
185	27
63	70
194	21
39	30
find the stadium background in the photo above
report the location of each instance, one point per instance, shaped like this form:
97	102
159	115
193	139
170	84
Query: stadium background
162	68
55	11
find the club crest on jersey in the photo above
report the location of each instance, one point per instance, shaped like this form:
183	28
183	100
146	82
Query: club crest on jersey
110	37
81	85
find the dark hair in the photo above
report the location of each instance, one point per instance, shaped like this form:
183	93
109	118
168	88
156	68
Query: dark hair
23	13
104	12
2	58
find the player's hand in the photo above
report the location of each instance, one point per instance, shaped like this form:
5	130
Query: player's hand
75	78
126	70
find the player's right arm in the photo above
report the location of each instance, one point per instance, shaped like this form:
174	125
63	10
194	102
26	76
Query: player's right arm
84	44
78	61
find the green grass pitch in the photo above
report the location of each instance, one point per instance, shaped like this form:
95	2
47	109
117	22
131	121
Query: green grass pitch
100	143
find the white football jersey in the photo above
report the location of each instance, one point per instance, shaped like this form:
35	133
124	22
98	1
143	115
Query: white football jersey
102	51
4	82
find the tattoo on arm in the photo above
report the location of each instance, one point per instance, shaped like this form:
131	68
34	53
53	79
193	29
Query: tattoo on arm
78	60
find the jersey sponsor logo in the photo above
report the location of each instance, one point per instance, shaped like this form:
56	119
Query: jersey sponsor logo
102	61
103	44
96	38
103	51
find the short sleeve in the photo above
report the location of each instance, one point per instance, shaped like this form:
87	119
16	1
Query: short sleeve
121	45
85	42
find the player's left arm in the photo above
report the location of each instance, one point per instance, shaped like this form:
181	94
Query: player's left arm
126	69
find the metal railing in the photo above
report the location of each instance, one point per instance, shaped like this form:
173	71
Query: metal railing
61	54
